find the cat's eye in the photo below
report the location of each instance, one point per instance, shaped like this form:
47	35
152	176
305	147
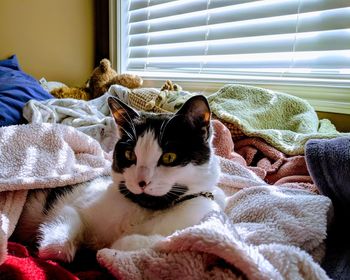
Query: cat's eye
130	155
168	158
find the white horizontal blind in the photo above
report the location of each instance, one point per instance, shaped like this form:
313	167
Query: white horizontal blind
268	38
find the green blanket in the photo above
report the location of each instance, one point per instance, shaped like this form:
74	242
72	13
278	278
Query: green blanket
286	122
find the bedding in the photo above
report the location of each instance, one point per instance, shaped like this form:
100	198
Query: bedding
258	225
42	156
265	232
328	161
284	121
91	117
271	165
16	89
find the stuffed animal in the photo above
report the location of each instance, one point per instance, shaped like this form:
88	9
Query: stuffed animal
102	77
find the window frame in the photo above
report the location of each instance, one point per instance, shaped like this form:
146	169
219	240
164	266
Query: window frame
332	98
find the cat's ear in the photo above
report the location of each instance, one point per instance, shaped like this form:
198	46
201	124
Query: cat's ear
196	110
122	113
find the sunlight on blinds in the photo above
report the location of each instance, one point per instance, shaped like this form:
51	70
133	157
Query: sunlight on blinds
267	38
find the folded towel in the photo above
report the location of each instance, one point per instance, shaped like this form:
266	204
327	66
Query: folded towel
284	121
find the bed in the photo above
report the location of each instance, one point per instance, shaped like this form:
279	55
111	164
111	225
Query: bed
272	148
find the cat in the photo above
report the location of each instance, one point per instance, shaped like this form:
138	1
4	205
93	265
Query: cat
164	178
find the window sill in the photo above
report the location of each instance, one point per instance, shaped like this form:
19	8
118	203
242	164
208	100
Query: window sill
322	97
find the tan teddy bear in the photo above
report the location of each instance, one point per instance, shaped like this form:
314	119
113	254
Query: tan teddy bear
102	77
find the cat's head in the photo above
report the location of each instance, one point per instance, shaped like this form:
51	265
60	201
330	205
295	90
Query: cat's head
164	155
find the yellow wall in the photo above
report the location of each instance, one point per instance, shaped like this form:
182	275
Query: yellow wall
51	38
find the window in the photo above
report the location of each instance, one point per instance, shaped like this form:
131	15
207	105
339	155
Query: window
297	46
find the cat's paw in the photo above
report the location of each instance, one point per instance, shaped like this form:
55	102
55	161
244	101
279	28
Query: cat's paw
136	242
60	252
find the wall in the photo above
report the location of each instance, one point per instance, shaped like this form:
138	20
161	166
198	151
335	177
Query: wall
341	121
52	38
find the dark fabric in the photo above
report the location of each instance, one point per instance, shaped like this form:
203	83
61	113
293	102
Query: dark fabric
328	161
16	89
337	260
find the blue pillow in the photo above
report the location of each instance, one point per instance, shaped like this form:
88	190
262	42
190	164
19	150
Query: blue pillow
16	89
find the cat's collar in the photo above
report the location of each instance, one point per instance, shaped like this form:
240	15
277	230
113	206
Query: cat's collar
194	195
161	202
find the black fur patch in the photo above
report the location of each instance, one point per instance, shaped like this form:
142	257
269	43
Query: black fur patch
176	135
154	202
53	195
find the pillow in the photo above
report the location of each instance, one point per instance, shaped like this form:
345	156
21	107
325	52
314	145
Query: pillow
16	89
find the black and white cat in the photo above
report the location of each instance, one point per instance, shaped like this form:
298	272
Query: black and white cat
164	177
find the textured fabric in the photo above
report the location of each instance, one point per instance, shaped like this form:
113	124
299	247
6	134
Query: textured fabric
267	233
91	117
22	264
271	165
286	122
42	156
16	88
158	101
329	164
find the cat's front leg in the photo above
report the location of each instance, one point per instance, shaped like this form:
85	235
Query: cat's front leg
59	237
136	241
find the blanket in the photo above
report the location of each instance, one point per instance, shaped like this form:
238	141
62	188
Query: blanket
271	165
329	165
266	233
91	117
42	156
284	121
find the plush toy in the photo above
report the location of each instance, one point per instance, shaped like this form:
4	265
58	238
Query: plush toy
102	77
169	85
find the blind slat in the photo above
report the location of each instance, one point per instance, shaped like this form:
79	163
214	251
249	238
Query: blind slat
317	60
310	41
308	38
330	20
240	12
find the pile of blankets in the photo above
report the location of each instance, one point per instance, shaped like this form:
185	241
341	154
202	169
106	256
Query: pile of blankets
274	226
261	223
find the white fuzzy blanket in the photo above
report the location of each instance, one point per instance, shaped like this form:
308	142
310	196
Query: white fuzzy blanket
266	232
42	156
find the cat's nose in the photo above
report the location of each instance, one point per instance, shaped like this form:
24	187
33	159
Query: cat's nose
142	184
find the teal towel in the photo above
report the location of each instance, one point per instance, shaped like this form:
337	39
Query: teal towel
284	121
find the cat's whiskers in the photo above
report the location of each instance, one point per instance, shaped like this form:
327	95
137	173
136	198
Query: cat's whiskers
131	123
164	125
127	133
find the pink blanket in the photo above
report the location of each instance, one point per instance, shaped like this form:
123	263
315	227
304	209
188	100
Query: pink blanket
273	166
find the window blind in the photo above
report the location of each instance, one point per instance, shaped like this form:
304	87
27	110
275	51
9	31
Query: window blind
308	40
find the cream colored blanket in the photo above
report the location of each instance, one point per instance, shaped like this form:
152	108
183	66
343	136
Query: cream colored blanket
42	156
